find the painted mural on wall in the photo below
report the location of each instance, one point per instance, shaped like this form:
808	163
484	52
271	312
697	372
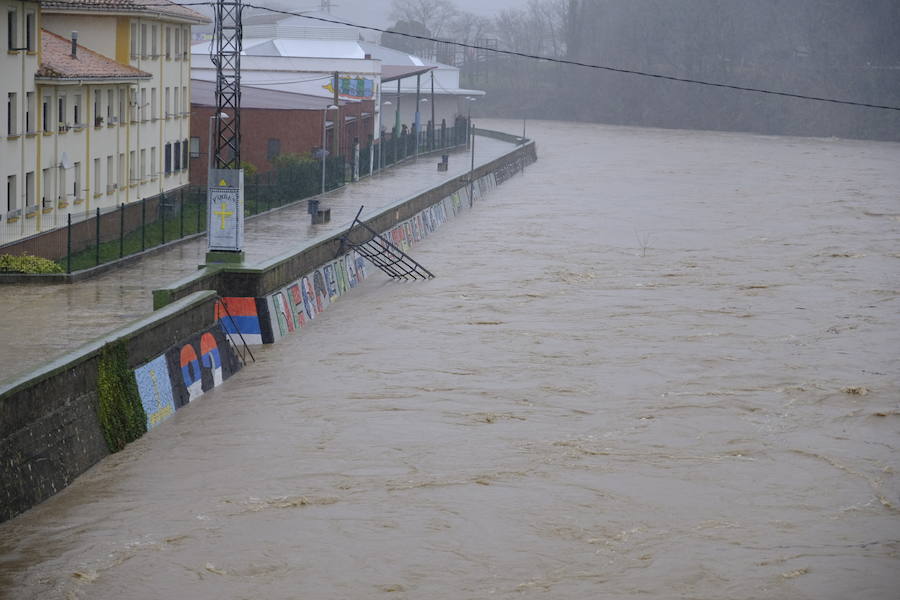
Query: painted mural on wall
289	309
184	373
353	88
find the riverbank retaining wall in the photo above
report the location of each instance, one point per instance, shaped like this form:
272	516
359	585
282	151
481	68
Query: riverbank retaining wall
50	429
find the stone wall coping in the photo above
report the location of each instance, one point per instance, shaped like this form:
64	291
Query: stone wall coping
90	349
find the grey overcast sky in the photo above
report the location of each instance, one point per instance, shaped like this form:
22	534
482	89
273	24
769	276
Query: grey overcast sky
375	12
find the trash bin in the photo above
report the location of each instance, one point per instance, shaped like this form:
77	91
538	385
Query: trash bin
312	206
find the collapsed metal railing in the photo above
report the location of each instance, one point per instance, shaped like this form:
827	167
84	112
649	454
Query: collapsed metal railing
381	252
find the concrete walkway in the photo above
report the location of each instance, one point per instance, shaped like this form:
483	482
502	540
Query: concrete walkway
41	322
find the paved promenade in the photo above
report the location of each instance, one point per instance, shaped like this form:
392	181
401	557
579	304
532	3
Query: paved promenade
43	321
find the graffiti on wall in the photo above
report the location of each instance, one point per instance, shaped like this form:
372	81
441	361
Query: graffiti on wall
184	373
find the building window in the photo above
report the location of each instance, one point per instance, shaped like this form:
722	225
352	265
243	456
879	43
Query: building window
29	112
154	51
167	159
132	167
185	47
98	120
153	172
61	113
144	41
177	166
168	43
62	184
11	117
45	188
175	105
110	105
184	155
12	202
273	148
12	29
177	43
132	105
143	164
143	106
168	104
134	40
153	113
96	176
29	188
76	115
195	147
184	101
76	185
46	116
122	115
29	31
110	187
120	171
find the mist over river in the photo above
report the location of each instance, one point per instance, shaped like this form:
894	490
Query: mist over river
660	364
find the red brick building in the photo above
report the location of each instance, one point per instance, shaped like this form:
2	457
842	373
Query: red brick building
277	122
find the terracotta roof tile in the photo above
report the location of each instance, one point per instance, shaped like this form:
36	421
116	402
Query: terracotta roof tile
156	7
57	62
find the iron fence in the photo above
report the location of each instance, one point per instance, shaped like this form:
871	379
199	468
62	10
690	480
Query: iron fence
90	238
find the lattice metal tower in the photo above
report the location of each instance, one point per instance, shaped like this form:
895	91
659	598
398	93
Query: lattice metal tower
225	53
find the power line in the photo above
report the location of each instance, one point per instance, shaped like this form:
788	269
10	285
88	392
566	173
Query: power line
563	61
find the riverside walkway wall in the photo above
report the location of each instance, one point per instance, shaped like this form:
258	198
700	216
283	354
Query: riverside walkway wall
50	430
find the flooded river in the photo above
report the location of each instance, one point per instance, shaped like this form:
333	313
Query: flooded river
660	364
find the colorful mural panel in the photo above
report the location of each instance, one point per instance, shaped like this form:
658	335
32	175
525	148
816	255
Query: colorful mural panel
155	388
240	318
201	363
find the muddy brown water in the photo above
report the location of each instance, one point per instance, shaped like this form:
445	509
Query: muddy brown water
660	364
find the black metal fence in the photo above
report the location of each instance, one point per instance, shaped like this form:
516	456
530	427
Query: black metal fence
100	236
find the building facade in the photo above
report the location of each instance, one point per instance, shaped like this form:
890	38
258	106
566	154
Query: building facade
98	108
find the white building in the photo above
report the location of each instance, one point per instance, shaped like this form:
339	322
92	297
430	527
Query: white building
93	123
275	44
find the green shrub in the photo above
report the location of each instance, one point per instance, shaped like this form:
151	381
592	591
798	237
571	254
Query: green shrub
122	416
27	264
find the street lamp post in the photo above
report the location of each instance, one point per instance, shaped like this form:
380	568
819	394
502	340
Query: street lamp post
324	152
209	156
469	101
381	153
418	133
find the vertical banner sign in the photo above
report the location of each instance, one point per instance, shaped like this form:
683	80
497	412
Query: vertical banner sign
225	201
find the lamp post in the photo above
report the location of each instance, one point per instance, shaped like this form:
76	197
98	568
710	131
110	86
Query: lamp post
423	101
324	152
209	156
469	101
381	153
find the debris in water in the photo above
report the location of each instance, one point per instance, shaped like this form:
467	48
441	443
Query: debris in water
856	390
89	576
795	573
212	569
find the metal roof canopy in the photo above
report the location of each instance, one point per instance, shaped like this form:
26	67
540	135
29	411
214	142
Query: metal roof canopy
395	72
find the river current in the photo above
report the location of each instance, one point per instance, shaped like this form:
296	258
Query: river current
659	364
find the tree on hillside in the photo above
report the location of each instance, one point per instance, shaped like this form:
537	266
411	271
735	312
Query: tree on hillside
435	15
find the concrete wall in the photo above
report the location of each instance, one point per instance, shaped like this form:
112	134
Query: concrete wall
49	428
263	278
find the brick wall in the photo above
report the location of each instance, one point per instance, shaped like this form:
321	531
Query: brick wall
297	131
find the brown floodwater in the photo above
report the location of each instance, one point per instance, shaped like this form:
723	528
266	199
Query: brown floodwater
660	364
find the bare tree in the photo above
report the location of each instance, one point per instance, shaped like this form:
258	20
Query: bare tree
436	15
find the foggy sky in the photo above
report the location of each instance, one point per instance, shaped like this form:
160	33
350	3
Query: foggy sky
376	12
